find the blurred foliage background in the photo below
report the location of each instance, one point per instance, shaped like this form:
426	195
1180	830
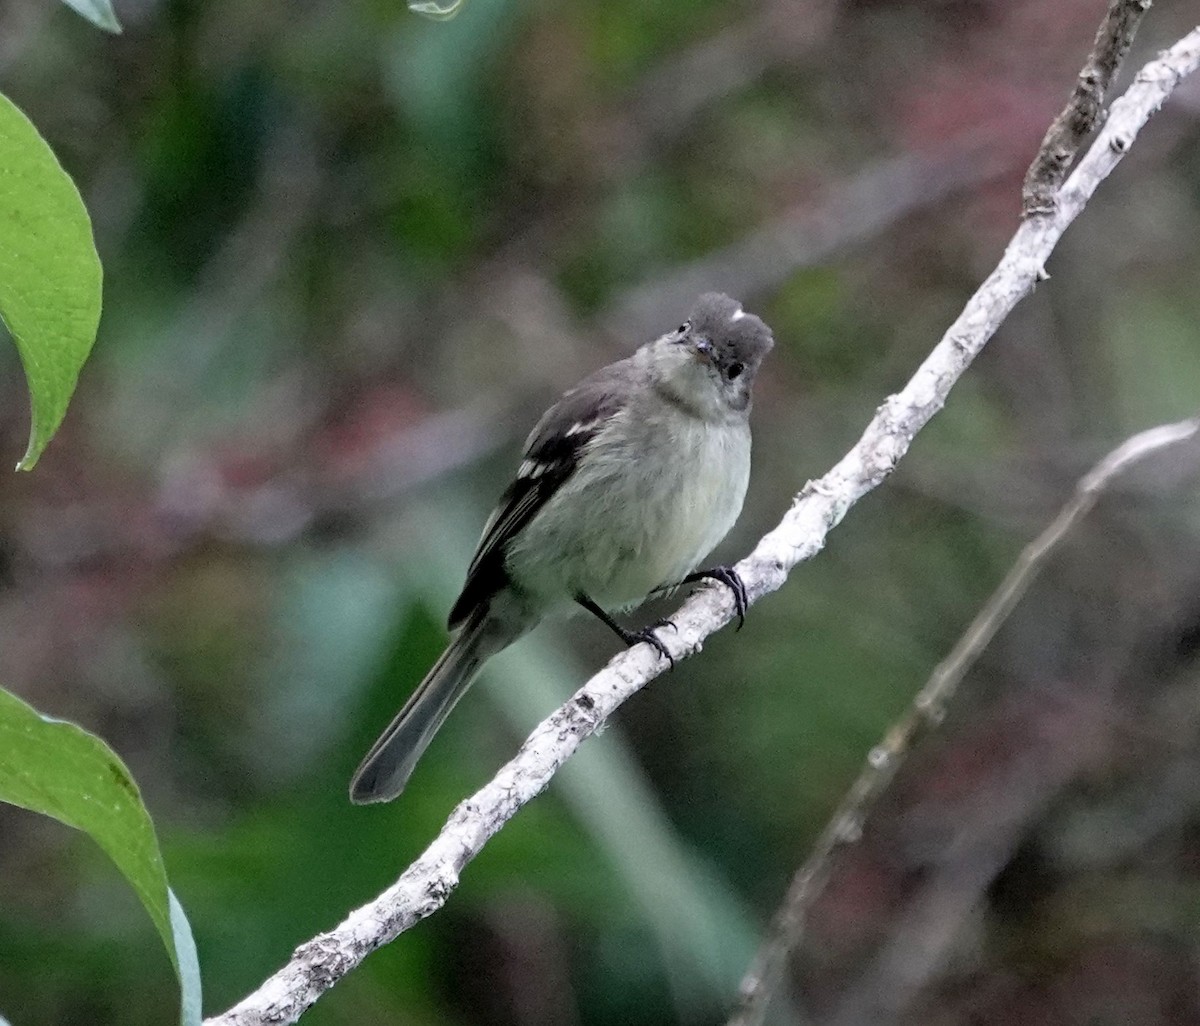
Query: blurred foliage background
350	256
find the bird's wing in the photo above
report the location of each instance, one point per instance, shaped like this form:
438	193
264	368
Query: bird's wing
552	453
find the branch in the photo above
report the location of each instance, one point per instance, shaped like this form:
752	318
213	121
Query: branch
1085	108
928	710
424	887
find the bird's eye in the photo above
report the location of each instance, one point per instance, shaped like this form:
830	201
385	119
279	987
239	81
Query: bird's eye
682	329
735	370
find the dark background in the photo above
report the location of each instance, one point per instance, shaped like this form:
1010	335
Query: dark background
351	254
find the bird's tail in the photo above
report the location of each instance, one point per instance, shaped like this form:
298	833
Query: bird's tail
387	766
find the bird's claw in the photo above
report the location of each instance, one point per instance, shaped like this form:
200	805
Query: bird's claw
729	577
648	635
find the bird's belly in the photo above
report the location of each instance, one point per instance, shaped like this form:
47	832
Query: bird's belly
620	532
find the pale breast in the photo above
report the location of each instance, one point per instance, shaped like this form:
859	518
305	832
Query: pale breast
633	523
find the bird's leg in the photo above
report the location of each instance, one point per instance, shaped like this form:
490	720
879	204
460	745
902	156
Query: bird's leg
728	576
630	638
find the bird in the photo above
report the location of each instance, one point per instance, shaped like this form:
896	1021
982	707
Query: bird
626	484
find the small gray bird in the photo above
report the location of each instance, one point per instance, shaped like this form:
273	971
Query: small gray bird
627	483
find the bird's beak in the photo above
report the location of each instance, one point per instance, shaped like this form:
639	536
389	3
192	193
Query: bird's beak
704	349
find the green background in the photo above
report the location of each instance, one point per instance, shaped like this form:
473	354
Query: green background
350	255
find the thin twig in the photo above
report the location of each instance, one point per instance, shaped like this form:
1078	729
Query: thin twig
928	710
1084	110
425	886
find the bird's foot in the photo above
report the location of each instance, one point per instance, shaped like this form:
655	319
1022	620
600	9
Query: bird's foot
651	638
729	577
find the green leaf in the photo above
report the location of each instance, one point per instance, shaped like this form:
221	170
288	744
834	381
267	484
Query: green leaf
59	769
98	12
50	277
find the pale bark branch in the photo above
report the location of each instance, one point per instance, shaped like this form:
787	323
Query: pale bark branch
928	710
424	887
